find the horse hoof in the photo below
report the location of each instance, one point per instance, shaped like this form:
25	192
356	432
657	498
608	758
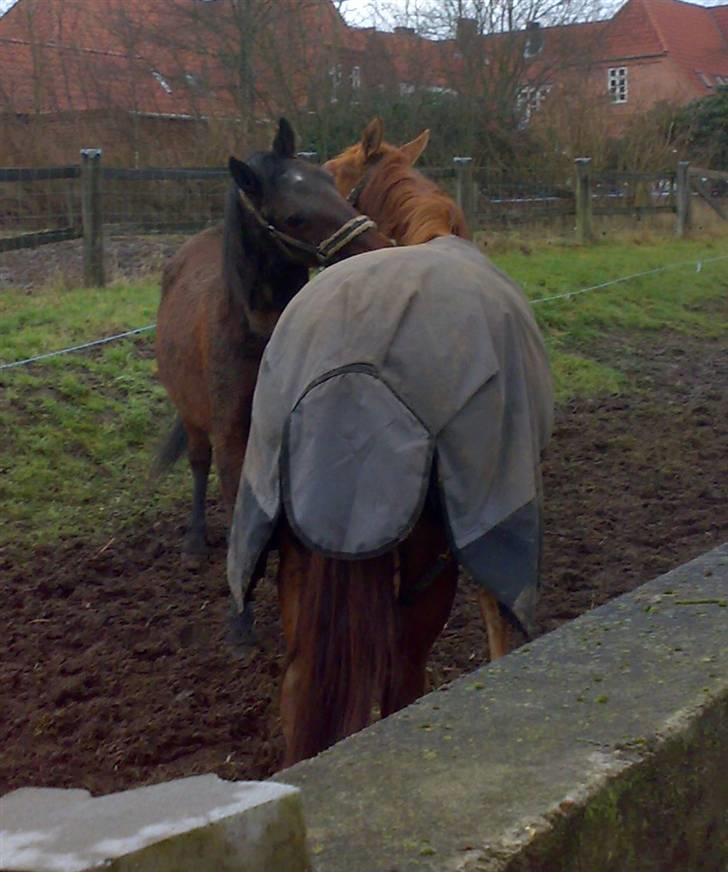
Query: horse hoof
241	633
194	559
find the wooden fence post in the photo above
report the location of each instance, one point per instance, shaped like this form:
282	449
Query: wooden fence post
465	189
683	198
93	221
584	232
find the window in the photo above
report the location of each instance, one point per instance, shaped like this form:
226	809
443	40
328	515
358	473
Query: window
163	83
335	77
617	84
530	100
356	78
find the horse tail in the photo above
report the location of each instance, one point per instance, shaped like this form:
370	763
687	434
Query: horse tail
345	645
171	449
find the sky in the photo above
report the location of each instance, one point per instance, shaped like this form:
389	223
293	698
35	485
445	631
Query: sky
363	12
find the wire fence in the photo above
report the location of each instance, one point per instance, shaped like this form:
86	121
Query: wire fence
52	204
566	295
163	200
44	205
39	205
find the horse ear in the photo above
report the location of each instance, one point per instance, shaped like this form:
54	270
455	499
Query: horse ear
413	150
371	139
284	145
245	178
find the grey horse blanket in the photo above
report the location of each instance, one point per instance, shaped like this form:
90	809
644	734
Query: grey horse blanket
386	365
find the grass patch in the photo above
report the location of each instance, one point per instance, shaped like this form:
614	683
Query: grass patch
683	299
673	300
77	432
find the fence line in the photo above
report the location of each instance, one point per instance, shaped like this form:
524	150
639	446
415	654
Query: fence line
564	296
568	294
83	347
154	199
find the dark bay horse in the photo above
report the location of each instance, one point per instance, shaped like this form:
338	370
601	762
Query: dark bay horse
401	409
222	294
380	180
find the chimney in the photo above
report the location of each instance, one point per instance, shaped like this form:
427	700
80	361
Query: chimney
400	28
466	32
534	39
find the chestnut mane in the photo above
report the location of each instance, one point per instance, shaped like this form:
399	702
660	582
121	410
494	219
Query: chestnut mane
407	206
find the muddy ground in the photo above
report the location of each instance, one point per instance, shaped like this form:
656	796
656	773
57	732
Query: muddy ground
115	670
125	257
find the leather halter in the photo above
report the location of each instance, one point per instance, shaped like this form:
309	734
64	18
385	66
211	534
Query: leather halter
325	250
358	189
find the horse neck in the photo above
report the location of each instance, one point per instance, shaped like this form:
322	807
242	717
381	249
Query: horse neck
410	208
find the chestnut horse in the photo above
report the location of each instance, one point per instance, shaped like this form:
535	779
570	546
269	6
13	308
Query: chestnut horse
222	294
380	180
380	177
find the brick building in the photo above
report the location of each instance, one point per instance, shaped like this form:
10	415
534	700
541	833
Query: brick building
137	75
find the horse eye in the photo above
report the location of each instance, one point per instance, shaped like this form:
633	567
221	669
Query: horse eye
296	220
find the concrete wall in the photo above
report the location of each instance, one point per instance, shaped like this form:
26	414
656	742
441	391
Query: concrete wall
602	746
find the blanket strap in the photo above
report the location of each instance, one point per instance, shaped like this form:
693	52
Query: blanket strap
426	579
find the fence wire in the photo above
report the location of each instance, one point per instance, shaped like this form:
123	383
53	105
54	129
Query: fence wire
41	204
698	264
628	193
163	201
47	200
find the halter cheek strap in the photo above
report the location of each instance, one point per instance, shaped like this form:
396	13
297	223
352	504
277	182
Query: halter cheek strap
321	253
358	189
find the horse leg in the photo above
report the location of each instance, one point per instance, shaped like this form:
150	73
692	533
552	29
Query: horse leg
496	625
229	453
422	614
199	453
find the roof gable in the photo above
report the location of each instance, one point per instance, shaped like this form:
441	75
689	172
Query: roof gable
632	32
693	40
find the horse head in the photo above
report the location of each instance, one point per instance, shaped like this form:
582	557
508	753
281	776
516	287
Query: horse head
351	168
297	208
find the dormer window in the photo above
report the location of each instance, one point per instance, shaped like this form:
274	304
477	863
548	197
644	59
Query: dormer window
617	84
356	78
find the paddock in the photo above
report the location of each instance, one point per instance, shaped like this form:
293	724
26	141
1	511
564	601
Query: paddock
115	665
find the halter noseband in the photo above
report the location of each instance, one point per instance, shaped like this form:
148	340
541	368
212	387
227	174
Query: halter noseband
325	250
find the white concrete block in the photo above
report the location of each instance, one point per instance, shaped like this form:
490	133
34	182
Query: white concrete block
199	823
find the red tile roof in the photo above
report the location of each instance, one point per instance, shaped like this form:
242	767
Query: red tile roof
720	16
145	56
690	35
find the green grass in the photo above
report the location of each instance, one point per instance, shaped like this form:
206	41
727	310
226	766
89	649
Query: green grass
679	299
77	432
